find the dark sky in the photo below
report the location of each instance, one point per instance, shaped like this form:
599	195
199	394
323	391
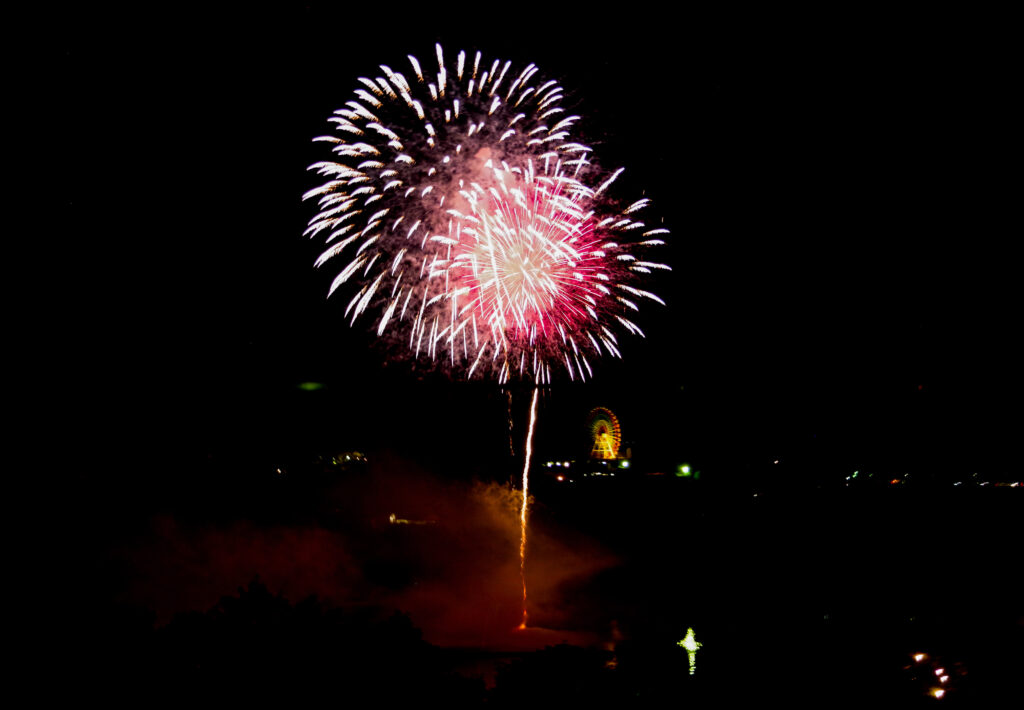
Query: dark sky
836	188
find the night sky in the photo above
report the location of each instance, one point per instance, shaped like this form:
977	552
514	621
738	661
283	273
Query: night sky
835	188
844	296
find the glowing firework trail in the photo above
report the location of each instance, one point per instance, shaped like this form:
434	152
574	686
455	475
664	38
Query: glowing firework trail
526	497
477	230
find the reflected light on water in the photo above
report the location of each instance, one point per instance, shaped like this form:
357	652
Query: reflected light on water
691	644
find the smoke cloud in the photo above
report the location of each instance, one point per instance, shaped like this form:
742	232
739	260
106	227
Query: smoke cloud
398	537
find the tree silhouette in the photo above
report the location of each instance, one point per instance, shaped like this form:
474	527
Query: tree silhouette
259	648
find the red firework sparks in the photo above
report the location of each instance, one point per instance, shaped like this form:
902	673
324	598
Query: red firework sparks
474	224
531	265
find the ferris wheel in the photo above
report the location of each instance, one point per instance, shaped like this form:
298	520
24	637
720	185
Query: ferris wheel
605	434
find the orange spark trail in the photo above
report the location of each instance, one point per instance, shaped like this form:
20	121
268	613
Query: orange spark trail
526	497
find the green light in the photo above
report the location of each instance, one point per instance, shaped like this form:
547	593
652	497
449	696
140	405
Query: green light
691	644
311	386
624	464
684	470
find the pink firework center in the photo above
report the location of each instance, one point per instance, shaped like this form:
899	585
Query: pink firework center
531	268
474	225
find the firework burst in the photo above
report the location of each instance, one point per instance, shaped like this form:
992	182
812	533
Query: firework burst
470	225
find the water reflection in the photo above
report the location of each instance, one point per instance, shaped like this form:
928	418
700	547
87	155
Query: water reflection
691	644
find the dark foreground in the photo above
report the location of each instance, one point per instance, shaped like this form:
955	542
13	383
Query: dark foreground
819	598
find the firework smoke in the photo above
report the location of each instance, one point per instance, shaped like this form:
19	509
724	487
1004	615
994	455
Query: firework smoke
454	577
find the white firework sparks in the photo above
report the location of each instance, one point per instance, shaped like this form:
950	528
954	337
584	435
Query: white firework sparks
465	211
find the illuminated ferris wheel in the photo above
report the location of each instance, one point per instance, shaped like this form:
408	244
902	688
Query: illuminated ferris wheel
604	434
